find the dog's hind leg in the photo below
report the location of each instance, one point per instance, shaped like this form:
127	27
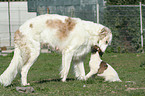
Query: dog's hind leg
34	53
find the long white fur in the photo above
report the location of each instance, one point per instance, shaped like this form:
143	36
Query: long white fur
109	74
74	47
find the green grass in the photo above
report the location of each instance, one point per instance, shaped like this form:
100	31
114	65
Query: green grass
44	77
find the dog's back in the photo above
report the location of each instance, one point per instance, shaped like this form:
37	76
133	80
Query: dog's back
72	36
110	74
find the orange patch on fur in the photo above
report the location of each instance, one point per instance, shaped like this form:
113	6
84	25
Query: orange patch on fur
103	33
19	39
31	25
17	35
63	28
103	67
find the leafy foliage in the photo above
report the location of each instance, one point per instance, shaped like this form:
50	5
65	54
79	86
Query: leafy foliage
125	25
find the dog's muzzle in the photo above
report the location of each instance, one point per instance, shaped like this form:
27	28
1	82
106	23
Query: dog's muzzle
101	53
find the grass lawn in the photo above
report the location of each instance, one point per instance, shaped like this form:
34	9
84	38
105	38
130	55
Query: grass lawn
45	79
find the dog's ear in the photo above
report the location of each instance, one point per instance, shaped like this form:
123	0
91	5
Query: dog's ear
104	32
105	66
94	49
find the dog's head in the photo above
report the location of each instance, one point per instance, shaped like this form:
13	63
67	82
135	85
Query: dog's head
105	37
95	49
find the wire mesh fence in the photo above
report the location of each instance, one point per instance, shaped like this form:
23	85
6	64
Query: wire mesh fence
123	20
9	23
16	19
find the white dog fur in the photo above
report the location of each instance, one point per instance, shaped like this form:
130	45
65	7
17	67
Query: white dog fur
72	36
101	68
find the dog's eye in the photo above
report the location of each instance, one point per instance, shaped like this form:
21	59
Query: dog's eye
106	42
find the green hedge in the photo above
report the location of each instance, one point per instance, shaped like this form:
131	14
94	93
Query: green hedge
125	25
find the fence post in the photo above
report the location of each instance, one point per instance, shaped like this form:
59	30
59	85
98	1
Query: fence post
48	11
141	27
9	22
19	14
97	9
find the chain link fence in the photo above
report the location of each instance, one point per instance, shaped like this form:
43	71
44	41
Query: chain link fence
123	20
9	23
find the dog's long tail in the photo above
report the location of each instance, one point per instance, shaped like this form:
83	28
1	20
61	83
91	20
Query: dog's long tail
10	73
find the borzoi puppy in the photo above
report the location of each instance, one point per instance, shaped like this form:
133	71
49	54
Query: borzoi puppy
101	68
72	36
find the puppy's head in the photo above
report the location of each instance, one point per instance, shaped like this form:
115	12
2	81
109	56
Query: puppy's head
95	49
103	67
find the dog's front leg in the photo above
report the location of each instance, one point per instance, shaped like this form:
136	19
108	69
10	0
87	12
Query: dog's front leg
91	73
79	69
66	61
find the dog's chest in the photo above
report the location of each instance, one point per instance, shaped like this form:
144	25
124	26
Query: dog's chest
82	50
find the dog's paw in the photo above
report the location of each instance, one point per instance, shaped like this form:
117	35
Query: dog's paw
63	80
27	84
99	74
81	78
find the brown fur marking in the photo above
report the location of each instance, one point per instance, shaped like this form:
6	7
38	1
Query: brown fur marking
95	49
31	25
103	33
63	27
19	39
103	67
17	35
3	48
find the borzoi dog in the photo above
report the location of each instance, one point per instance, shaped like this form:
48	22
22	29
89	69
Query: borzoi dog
101	68
72	36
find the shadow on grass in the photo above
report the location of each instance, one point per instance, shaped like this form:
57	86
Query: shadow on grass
55	80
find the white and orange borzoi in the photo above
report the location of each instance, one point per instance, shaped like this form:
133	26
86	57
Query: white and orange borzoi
72	36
